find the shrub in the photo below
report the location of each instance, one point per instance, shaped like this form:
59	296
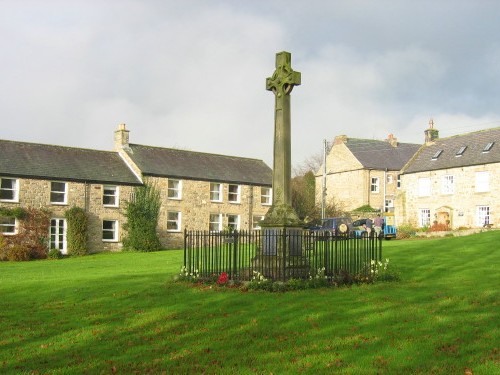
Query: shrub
406	231
18	253
77	230
142	213
55	254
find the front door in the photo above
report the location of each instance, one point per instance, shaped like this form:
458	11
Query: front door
58	235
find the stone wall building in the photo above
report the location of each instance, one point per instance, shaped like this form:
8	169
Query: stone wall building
453	181
200	191
363	172
57	178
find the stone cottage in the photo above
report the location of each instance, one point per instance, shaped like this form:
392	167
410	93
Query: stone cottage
200	191
363	172
453	181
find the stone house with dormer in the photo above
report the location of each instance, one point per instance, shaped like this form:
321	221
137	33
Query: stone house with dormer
453	181
363	172
57	178
200	191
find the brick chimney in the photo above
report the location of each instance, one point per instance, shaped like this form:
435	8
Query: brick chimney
121	137
339	139
393	141
431	134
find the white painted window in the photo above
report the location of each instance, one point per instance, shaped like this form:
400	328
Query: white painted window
390	179
215	192
375	185
174	221
110	196
110	230
482	182
233	222
58	192
266	196
424	187
58	235
256	221
398	186
389	205
424	217
8	225
447	185
233	193
215	222
9	190
174	189
483	216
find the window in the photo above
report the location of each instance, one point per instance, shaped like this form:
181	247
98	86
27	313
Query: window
233	222
256	221
390	178
389	205
58	192
173	221
8	225
437	154
233	193
215	223
374	188
9	189
424	217
488	147
174	189
215	192
424	187
482	182
399	182
483	216
461	151
447	185
110	230
110	195
58	235
265	196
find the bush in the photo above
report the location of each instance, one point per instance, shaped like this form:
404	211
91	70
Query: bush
77	230
55	254
142	212
406	231
18	253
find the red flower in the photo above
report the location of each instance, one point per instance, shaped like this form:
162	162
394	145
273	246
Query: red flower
222	278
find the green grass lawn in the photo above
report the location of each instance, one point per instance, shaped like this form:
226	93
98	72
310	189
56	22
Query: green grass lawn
122	313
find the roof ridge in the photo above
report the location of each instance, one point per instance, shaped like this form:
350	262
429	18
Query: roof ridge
59	146
465	134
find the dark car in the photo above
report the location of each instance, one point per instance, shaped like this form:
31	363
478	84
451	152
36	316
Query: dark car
332	224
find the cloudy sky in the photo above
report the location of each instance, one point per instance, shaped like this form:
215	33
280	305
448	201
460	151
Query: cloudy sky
191	74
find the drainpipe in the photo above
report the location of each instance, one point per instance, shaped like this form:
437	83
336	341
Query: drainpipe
323	182
385	190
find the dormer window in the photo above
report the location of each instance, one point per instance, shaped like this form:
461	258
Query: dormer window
488	147
436	155
461	151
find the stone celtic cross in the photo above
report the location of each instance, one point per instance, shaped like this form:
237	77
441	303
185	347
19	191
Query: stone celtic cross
281	83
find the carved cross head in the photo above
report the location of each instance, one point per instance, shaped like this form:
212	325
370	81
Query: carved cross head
284	78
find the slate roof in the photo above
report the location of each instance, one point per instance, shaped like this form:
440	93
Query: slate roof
373	154
473	154
167	162
32	160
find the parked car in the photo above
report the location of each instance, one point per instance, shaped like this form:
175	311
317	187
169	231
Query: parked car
388	229
334	224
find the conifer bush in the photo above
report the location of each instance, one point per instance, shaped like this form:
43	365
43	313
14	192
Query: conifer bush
77	230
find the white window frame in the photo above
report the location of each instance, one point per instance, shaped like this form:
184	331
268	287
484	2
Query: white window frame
57	234
215	222
256	219
175	218
448	184
375	185
482	182
233	196
266	196
174	189
215	192
59	192
233	222
424	187
483	216
424	217
6	223
398	182
110	192
13	189
389	203
390	179
113	231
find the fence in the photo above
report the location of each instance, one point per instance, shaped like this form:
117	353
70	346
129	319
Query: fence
278	254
